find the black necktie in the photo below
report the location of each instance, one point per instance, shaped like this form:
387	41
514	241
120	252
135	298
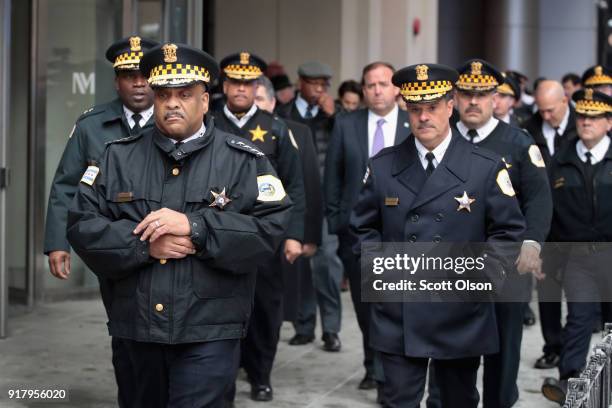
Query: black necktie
557	140
472	134
430	166
588	178
136	118
309	110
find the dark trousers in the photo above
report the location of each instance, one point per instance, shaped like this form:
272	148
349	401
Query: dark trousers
362	309
501	369
182	375
549	305
405	381
124	372
586	281
259	346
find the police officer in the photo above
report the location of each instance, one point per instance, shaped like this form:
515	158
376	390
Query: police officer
128	114
242	117
178	217
435	186
508	93
599	78
476	89
581	175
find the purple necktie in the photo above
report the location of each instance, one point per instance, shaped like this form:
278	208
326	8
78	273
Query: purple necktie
379	138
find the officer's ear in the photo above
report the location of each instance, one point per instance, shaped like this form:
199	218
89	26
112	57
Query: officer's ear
204	98
450	104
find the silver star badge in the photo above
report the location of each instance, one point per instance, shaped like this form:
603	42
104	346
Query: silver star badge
464	202
220	199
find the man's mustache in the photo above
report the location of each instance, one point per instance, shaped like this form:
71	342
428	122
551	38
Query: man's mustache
473	109
174	114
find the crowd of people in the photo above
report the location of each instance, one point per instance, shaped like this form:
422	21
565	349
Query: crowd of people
216	199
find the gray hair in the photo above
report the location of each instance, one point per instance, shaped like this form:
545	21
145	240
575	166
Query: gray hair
267	84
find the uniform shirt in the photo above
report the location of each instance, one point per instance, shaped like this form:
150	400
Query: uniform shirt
598	151
388	127
302	107
483	132
196	135
549	131
244	119
505	119
438	152
145	116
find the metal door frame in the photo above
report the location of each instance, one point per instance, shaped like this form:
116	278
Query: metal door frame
5	41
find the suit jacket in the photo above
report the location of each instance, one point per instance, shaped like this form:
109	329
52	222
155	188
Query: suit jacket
345	165
313	215
424	210
534	127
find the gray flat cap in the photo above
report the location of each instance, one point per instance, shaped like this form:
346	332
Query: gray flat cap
315	69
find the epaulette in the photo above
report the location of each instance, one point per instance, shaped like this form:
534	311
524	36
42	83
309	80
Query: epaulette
126	139
240	145
94	110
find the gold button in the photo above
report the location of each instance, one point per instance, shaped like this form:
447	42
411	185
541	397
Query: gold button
163	261
176	171
159	307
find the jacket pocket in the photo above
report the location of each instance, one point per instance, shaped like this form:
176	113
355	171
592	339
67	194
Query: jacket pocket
211	284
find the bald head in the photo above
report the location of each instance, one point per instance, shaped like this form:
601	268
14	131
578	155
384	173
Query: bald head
551	102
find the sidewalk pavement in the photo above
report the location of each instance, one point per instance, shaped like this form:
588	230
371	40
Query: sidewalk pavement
66	345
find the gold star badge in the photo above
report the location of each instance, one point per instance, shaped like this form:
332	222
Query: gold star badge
258	134
464	202
220	199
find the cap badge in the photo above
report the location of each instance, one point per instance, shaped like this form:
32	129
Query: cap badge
598	70
135	43
588	94
476	68
244	58
169	52
421	71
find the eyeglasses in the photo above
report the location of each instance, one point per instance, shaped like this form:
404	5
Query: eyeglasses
323	83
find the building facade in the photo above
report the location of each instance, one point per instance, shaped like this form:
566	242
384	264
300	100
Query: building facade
52	68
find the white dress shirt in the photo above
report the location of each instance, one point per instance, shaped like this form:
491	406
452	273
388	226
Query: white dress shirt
388	128
597	152
196	135
549	132
438	152
145	115
483	132
302	107
244	119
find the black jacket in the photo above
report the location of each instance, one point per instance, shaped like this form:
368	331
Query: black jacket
203	297
345	165
399	204
313	215
94	128
534	127
269	134
528	174
574	218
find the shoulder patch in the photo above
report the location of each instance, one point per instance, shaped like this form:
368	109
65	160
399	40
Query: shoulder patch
240	145
90	175
270	188
535	155
504	183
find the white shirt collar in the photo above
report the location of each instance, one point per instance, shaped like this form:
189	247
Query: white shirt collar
244	119
505	119
483	131
389	127
598	151
196	135
549	132
302	106
146	115
438	152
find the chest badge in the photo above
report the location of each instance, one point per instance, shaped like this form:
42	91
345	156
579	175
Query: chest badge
464	202
220	199
258	134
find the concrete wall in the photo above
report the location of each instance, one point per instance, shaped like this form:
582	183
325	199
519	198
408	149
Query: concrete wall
347	34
